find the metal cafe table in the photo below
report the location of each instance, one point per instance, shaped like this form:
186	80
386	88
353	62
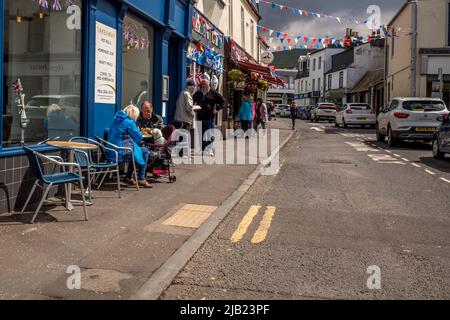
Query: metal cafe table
71	147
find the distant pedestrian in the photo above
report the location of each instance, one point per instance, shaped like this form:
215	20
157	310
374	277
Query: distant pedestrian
245	113
261	114
294	114
184	113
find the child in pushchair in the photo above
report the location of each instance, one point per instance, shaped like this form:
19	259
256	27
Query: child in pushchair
159	142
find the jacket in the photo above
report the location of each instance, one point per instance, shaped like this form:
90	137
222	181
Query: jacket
125	133
294	112
261	112
184	112
208	102
155	122
246	111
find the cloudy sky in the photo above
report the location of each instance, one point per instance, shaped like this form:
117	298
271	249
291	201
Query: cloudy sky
286	21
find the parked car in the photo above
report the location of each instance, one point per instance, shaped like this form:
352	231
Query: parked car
410	119
441	139
302	112
283	110
324	111
308	111
360	114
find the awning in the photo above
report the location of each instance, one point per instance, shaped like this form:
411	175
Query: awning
265	72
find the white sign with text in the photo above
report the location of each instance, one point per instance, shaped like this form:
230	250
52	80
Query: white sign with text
105	64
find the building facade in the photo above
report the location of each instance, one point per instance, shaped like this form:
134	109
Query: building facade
418	54
78	64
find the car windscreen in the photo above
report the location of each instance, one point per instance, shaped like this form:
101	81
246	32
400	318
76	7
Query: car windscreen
360	107
426	106
42	102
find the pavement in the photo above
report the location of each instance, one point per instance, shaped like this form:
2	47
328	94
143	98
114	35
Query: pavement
125	240
346	217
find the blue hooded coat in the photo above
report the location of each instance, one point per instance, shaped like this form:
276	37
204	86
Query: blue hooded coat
125	133
246	111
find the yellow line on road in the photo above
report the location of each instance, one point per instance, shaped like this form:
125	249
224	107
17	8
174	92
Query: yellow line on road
261	234
245	223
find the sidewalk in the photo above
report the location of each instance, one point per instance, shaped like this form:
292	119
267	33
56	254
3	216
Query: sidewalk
121	245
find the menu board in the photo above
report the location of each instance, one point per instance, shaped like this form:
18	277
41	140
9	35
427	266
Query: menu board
105	64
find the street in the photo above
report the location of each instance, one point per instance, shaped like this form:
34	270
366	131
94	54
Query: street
341	205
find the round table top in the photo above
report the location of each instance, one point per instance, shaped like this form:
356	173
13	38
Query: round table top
72	145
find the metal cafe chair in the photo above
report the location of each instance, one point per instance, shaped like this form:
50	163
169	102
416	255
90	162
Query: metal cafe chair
113	146
49	180
93	168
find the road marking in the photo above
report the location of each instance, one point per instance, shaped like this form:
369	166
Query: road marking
388	151
430	172
404	159
361	146
385	158
416	165
317	129
396	155
261	234
245	223
443	179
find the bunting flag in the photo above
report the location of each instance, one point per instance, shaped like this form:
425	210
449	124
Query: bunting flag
132	39
307	13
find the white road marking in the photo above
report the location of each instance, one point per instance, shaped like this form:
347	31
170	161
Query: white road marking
396	155
443	179
317	129
416	165
404	159
430	172
361	147
385	158
388	151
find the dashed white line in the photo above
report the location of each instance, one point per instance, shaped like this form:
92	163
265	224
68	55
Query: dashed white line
404	159
388	151
416	165
443	179
396	155
430	172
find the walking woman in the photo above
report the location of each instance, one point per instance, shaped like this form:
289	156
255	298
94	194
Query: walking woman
294	113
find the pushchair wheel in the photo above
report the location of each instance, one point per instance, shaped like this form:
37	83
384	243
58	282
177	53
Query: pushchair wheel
173	179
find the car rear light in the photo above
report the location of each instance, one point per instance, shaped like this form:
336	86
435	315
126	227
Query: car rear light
401	115
372	111
348	110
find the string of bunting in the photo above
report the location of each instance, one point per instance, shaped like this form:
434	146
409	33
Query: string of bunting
307	13
134	40
56	4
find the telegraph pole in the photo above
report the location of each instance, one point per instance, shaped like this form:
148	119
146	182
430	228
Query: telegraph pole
414	49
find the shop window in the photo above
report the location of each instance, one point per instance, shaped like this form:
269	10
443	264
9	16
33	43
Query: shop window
137	63
40	49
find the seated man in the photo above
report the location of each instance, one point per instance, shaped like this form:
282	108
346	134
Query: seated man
148	119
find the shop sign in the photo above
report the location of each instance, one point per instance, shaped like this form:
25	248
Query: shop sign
206	30
267	57
105	64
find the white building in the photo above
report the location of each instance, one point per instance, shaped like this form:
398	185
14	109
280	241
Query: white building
348	67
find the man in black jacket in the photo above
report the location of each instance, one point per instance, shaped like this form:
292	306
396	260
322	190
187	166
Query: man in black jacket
210	102
148	119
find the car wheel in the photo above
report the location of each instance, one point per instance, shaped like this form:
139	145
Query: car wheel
380	137
437	154
344	124
330	121
336	124
392	142
311	119
316	120
372	126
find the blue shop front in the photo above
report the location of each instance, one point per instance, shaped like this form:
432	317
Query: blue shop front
70	65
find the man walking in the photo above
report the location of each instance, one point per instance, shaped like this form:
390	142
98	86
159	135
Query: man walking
210	102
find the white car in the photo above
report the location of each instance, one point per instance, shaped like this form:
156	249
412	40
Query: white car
360	114
283	110
324	111
410	119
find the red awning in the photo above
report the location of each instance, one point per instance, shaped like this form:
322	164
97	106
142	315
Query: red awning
265	72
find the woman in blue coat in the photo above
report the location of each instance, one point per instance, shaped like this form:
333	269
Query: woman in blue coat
125	133
245	114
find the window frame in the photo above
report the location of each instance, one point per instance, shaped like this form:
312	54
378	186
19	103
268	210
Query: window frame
84	79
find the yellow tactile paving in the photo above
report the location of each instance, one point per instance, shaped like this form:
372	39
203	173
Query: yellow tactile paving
190	216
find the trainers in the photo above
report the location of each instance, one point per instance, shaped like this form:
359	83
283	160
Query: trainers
145	184
129	181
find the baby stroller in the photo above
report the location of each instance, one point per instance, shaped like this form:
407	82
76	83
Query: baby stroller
160	163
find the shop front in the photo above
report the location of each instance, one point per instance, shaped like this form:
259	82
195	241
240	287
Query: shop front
69	66
206	54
